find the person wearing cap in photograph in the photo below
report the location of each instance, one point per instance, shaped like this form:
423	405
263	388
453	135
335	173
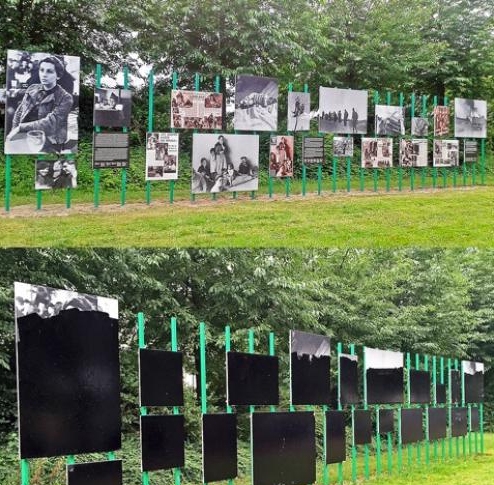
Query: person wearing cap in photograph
45	107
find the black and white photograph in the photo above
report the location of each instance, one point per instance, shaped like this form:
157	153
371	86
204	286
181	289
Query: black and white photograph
390	120
313	150
413	153
161	156
342	111
42	103
198	110
441	120
446	153
224	163
470	151
377	152
342	146
470	118
111	150
55	174
281	156
256	103
298	118
112	107
420	126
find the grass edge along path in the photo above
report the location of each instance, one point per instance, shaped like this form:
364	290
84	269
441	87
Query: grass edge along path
453	218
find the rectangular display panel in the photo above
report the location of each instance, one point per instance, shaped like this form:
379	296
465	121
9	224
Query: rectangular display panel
309	368
219	447
252	379
283	448
474	381
377	153
455	389
348	379
281	153
413	153
412	429
68	372
198	110
97	473
441	393
459	421
390	120
112	107
161	156
470	118
386	421
420	386
384	369
160	378
335	437
446	153
162	442
475	419
343	146
437	423
111	150
60	173
441	120
313	150
362	430
298	118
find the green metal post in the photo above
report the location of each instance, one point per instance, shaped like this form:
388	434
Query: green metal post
272	353
409	365
441	377
172	182
251	351
354	447
348	174
97	129
333	174
482	161
125	129
319	179
24	472
202	345
8	181
417	366
150	124
400	168
450	404
39	198
434	169
304	181
427	444
366	407
374	170
287	186
387	170
423	170
227	349
481	418
378	444
142	345
339	349
174	345
434	397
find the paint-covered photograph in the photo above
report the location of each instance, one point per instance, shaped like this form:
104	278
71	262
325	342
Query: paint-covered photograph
161	156
198	110
224	163
256	103
41	103
342	110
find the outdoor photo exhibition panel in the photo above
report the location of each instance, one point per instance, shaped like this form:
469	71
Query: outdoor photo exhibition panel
470	118
161	156
298	117
198	110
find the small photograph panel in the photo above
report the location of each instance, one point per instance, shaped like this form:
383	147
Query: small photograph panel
160	378
437	423
112	107
474	419
441	121
470	151
377	152
412	429
459	422
281	156
162	156
413	153
56	174
386	421
446	153
348	379
219	447
343	146
420	126
470	118
440	393
420	386
96	473
298	118
362	427
162	442
335	437
390	120
198	110
455	389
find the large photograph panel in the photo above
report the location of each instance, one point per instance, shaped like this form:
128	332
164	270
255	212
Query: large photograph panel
68	372
283	448
42	103
390	120
198	110
470	118
298	118
112	107
309	368
342	111
256	103
224	163
474	381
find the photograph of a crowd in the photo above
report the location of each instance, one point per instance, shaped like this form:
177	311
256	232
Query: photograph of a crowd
470	118
413	153
55	174
41	103
390	120
342	110
224	162
441	120
161	156
198	110
446	153
112	107
281	156
256	103
377	152
298	118
342	146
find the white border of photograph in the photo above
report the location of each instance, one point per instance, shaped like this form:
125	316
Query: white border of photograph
343	146
446	153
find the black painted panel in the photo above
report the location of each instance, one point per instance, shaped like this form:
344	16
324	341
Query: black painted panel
455	386
161	379
475	417
363	427
309	368
284	448
412	429
252	379
441	393
438	422
420	386
97	473
335	437
162	442
474	387
348	380
459	421
219	447
68	384
386	421
385	386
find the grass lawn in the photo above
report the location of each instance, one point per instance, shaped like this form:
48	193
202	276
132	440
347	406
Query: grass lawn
460	217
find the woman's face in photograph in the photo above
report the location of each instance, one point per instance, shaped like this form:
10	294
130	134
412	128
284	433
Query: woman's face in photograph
47	74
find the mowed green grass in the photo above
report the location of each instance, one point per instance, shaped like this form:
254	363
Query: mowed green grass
460	217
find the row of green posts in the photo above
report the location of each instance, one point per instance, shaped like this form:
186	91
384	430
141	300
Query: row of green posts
417	176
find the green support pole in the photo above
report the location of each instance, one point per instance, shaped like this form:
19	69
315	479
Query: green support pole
348	174
434	169
354	447
39	199
270	187
333	174
400	443
434	398
457	439
427	444
251	351
227	349
409	365
319	179
196	88
464	173
366	407
450	403
272	353
325	479
97	129
287	186
339	349
417	366
378	444
441	378
423	170
125	129
150	124
482	161
374	170
24	472
412	115
387	170
68	198
142	345
361	179
172	182
8	181
202	345
174	345
304	181
481	418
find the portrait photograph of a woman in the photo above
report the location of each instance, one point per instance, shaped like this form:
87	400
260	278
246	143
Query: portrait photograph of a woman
41	112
